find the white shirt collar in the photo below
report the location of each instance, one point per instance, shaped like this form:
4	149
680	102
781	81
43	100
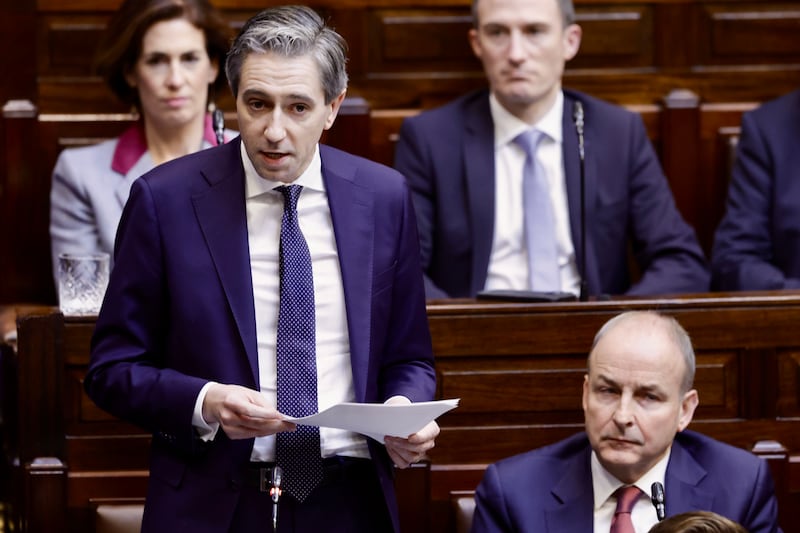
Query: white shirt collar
507	126
605	484
255	185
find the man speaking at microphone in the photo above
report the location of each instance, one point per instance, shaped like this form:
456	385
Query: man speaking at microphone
497	176
270	276
637	401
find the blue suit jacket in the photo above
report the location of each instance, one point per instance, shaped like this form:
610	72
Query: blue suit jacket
550	489
179	312
447	155
757	244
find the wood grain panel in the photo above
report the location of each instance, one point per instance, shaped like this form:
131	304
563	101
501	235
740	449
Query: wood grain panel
750	33
131	451
615	37
516	389
68	44
412	40
789	384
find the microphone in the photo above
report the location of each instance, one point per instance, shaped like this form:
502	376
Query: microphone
577	115
657	497
218	119
275	494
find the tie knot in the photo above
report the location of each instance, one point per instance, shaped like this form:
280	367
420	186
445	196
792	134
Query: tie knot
626	498
290	195
529	140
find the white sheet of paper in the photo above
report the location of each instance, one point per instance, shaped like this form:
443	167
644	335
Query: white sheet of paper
377	419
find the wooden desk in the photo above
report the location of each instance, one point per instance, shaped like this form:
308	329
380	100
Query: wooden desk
517	368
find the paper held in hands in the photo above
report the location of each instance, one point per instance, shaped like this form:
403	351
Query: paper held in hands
377	420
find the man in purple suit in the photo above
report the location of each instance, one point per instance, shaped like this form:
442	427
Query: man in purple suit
757	244
467	175
637	401
187	338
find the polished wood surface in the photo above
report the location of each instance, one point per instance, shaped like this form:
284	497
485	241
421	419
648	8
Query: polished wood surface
517	369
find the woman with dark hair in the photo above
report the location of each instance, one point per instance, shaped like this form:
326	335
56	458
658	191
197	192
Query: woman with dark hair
164	58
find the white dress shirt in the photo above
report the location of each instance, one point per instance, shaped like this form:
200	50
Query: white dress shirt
604	485
334	374
508	263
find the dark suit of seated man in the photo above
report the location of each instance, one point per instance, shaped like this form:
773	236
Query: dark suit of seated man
757	244
466	172
637	400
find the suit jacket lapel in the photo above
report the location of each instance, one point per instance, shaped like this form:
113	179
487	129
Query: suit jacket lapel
572	175
479	166
221	213
680	488
352	215
576	496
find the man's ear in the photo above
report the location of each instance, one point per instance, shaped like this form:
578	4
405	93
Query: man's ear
585	398
572	41
475	42
335	105
688	405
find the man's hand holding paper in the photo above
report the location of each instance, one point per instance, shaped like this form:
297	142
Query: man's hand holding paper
407	429
412	449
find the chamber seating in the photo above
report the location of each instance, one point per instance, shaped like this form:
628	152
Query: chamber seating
118	516
517	369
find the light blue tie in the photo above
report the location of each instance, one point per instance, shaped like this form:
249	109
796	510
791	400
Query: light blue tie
297	452
540	227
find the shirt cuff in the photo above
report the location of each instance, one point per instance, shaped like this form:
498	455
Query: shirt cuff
205	431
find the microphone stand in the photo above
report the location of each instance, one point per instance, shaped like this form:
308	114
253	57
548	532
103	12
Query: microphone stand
218	120
578	116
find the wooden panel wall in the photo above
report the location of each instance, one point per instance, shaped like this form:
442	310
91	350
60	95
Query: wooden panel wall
703	61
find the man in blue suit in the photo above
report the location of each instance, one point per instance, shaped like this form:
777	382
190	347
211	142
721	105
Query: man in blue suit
466	173
757	244
637	401
187	338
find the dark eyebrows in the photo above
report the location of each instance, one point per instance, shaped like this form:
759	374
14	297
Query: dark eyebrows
255	93
304	98
608	381
159	53
294	97
494	26
651	388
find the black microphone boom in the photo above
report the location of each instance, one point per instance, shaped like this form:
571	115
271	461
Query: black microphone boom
657	497
577	115
218	119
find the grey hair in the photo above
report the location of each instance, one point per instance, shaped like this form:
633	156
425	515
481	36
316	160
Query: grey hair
291	31
677	334
566	7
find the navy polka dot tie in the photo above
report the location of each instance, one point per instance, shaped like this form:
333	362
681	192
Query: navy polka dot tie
298	452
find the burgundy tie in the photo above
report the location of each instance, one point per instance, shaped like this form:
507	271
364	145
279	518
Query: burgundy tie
626	499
